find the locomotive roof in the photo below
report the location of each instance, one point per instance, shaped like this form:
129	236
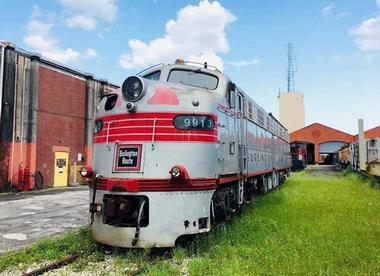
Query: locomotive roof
224	80
189	65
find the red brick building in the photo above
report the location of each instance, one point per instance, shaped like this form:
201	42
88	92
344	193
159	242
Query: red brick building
46	108
321	140
371	133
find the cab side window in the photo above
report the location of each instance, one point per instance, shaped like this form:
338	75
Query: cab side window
231	95
240	101
153	76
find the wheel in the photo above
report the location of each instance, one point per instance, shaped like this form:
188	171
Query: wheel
265	185
270	182
276	179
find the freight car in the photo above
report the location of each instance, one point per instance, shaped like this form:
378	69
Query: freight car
177	147
344	156
371	157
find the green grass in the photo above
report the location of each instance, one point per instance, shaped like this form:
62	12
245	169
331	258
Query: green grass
51	249
312	225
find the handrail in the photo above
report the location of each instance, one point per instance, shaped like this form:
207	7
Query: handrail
153	132
201	63
150	67
108	132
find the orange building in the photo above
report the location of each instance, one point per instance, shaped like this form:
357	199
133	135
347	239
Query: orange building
323	142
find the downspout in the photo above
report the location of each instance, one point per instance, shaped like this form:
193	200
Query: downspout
14	116
1	77
22	114
33	102
89	118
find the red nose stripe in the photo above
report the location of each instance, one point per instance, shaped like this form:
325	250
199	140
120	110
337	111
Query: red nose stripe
157	138
145	185
158	130
163	96
139	127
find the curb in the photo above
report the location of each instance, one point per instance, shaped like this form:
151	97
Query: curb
46	191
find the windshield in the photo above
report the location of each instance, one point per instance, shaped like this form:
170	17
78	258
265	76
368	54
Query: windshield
194	78
153	76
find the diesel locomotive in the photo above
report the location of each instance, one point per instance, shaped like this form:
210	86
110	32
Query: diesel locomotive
177	147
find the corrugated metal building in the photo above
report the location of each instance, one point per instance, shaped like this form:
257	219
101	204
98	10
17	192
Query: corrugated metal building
46	109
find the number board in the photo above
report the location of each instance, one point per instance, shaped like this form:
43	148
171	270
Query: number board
127	158
194	122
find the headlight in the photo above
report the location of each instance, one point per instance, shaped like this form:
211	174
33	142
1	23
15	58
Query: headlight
178	172
133	89
175	172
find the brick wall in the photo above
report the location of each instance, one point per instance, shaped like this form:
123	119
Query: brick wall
317	133
61	119
371	133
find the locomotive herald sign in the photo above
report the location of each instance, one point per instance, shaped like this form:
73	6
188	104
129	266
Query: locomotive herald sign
127	158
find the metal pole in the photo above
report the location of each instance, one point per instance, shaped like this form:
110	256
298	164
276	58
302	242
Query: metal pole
362	150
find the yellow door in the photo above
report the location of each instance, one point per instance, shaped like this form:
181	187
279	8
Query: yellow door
60	168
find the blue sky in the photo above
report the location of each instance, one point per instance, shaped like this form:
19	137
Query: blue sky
337	45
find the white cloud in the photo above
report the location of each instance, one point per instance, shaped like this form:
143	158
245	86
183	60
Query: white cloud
211	59
243	63
84	13
367	35
39	39
105	9
328	9
85	22
90	53
36	11
343	14
198	33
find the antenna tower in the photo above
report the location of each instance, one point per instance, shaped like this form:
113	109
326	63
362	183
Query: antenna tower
291	67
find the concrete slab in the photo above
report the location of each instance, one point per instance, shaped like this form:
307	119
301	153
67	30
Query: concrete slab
45	191
24	220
